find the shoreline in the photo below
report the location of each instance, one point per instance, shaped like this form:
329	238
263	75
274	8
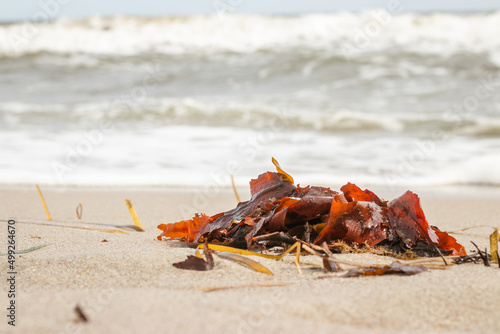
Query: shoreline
459	190
127	283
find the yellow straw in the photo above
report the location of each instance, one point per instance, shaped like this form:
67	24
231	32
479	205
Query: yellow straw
494	237
234	189
43	202
133	214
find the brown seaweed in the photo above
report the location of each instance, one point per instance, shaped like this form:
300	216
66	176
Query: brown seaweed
354	216
265	189
197	263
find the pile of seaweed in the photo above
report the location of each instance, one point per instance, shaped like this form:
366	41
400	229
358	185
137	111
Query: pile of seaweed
281	212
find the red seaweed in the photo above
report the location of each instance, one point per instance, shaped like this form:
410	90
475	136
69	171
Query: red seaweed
353	193
409	223
355	222
354	216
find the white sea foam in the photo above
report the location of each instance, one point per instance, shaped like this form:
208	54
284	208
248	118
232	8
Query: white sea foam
437	34
174	155
482	170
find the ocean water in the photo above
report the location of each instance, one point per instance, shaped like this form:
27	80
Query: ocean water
373	98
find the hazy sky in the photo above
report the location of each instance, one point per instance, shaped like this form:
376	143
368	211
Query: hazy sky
27	9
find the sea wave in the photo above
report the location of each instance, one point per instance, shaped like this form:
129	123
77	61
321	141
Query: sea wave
335	106
257	115
343	34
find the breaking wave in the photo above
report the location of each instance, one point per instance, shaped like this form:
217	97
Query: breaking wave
342	34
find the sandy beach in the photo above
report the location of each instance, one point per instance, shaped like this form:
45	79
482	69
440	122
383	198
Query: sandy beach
127	284
159	103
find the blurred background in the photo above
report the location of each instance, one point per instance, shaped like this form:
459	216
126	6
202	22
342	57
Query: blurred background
387	93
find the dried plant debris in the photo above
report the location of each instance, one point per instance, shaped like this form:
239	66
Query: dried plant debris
223	248
224	252
470	258
280	212
133	214
484	256
331	266
27	250
243	286
245	261
395	268
283	217
481	256
79	211
80	314
197	263
43	202
194	263
494	237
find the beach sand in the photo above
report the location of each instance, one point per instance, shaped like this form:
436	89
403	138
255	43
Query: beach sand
128	284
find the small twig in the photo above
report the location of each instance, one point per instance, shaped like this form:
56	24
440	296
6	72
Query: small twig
291	248
255	285
234	189
467	258
275	236
326	249
487	262
469	228
307	233
429	263
432	260
81	316
484	257
440	254
297	260
310	250
79	211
